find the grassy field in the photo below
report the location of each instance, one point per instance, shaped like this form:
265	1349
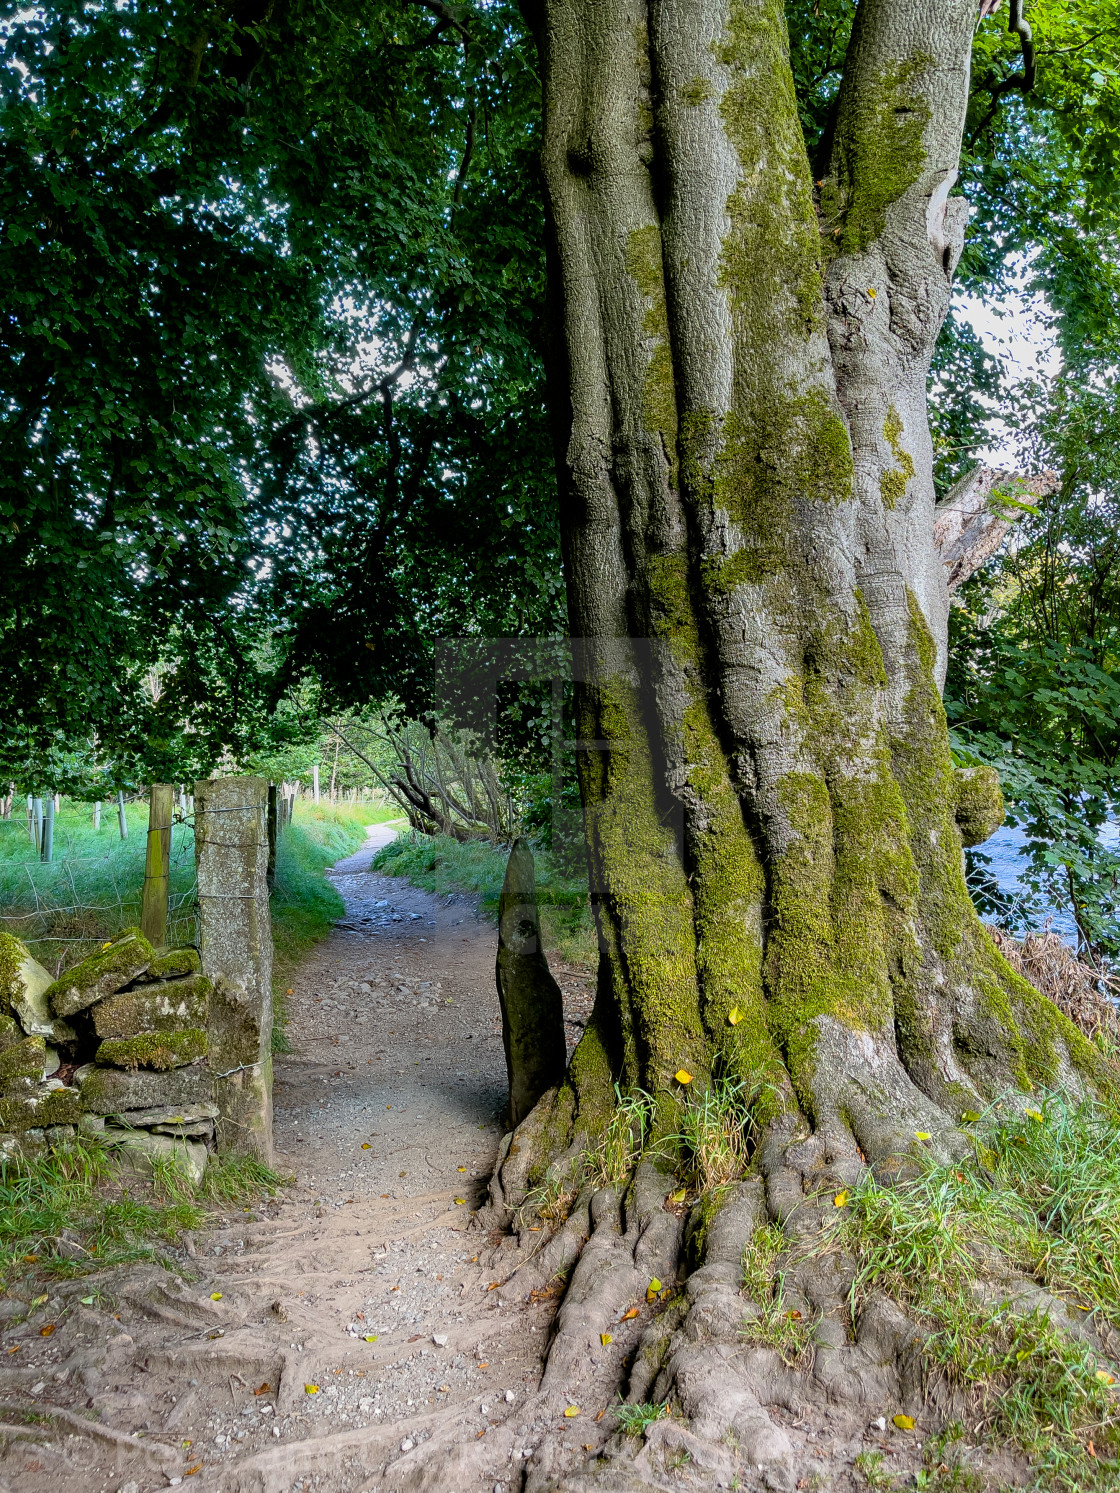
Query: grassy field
440	864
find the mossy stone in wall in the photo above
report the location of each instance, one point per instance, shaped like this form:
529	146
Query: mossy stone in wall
979	809
37	1111
24	1065
10	1032
12	955
162	1006
177	962
162	1050
110	1091
100	975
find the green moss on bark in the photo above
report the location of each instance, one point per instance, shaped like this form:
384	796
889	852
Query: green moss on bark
893	483
878	154
979	808
659	397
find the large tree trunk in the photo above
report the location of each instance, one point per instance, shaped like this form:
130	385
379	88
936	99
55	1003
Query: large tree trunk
746	470
774	820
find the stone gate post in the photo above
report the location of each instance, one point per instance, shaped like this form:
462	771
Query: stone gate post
235	938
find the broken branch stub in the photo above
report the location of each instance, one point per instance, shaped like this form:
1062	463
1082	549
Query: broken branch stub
978	513
532	1005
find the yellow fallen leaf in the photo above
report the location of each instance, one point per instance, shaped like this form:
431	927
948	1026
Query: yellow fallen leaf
630	1315
871	291
371	1337
459	1202
311	1389
215	1295
840	1200
683	1076
652	1289
606	1339
571	1412
106	945
460	1168
40	1301
1105	1377
921	1135
903	1422
1034	1114
366	1145
734	1016
678	1196
969	1117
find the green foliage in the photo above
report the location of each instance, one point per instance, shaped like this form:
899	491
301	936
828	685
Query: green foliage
1034	679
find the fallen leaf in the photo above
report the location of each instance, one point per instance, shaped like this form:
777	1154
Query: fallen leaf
215	1295
263	1390
921	1135
47	1330
370	1337
841	1199
485	1364
652	1289
630	1315
416	1338
794	1315
459	1202
15	1349
734	1016
480	1435
601	1414
444	1389
903	1422
190	1471
366	1146
88	1300
311	1389
1034	1114
871	291
460	1168
40	1301
571	1412
1105	1377
683	1076
31	1259
493	1286
402	1174
589	1446
969	1117
606	1339
678	1196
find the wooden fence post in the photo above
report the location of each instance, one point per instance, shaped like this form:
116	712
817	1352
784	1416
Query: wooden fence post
46	852
273	829
122	817
231	855
157	866
37	823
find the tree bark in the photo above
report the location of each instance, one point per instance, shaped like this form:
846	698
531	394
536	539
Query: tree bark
740	358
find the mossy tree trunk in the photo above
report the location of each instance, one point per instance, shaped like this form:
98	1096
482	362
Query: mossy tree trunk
740	365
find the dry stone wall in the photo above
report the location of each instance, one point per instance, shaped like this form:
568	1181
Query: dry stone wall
161	1054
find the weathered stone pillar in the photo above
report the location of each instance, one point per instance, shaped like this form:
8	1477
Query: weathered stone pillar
231	854
532	1005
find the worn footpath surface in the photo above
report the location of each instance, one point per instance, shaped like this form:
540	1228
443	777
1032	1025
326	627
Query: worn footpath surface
319	1340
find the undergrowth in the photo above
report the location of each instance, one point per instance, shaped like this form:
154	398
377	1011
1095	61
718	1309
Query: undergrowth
1041	1192
714	1141
613	1157
633	1419
440	864
75	1209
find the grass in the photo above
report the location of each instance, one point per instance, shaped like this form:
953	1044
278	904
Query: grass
1041	1192
439	864
615	1155
74	1209
633	1419
715	1135
777	1325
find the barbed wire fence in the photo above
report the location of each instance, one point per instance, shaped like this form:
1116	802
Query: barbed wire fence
57	907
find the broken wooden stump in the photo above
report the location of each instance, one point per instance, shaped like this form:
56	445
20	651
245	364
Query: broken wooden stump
532	1005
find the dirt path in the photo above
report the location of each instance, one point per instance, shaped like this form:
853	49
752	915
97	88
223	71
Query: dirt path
321	1339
